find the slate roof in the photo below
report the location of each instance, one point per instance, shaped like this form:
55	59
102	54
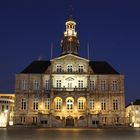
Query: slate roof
36	67
99	67
137	102
102	67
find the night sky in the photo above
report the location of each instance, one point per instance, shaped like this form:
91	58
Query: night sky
112	28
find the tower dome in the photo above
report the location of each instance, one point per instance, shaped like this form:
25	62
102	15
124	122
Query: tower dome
70	41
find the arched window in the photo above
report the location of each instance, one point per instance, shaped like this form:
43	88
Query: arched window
69	103
81	103
58	103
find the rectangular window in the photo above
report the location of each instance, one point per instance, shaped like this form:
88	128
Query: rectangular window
80	84
91	104
59	68
103	104
92	85
22	119
34	120
81	68
24	84
23	104
36	85
80	104
47	103
58	83
35	104
2	107
103	85
115	104
47	84
114	85
69	68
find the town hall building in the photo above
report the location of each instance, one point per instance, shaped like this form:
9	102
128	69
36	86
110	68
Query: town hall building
69	91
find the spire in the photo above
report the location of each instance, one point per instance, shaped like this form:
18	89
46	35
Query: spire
70	42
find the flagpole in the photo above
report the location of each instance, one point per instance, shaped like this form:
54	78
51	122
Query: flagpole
88	50
51	50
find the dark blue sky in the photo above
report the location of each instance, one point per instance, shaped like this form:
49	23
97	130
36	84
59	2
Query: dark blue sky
112	28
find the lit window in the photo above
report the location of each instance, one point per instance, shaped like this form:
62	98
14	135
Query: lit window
58	83
35	84
58	103
81	68
59	68
80	84
23	104
47	84
114	85
91	104
24	84
69	68
92	85
115	104
35	104
103	104
81	103
47	103
69	104
103	85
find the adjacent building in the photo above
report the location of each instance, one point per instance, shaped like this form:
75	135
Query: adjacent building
6	109
69	91
133	113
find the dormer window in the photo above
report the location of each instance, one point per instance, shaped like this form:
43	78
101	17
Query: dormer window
81	68
59	68
69	68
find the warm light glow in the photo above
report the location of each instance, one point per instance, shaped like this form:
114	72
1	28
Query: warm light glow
10	123
3	118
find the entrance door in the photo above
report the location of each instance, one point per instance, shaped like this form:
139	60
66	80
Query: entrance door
69	121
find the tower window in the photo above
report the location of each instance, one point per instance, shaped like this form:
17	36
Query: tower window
69	68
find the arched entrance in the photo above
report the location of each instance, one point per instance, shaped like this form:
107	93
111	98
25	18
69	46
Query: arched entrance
70	121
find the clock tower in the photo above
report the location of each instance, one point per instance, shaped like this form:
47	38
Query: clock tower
70	41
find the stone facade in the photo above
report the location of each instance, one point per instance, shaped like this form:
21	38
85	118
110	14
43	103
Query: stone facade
69	90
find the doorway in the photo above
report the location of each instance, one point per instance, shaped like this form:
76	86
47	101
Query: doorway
70	121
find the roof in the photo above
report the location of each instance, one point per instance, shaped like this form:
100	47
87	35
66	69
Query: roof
102	67
137	102
99	67
37	67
